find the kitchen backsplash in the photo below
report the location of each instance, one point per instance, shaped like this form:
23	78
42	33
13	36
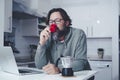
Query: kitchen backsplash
94	43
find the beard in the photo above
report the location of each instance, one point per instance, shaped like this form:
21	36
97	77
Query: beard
60	33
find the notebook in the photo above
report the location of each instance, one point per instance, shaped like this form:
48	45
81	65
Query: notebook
9	65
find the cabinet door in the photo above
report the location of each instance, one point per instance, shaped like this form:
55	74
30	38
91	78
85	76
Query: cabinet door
80	19
8	16
101	20
96	17
104	69
104	74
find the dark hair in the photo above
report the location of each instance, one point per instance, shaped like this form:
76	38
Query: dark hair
62	12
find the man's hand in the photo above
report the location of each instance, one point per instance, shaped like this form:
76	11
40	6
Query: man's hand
51	69
44	35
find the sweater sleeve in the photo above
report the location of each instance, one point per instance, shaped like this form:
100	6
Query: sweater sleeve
80	53
40	57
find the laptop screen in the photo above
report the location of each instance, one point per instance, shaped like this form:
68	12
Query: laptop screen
8	63
7	60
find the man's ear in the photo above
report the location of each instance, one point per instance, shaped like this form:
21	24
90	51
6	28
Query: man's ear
67	23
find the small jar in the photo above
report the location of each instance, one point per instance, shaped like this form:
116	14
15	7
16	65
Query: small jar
100	53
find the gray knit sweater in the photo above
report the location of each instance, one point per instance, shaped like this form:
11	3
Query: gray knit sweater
74	45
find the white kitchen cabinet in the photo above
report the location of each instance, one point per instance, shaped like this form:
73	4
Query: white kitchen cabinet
104	69
8	16
99	23
101	20
95	17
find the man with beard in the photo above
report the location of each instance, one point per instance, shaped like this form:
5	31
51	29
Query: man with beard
65	41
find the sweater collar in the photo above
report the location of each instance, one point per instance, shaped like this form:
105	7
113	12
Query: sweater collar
67	38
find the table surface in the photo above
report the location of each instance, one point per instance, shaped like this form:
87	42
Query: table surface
80	75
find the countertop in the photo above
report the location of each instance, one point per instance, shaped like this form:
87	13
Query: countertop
96	58
80	75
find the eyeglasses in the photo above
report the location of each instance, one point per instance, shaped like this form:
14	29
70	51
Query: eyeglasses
57	21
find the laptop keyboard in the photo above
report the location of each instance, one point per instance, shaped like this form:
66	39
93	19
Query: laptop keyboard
29	71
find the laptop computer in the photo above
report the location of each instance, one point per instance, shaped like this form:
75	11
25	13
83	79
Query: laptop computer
8	63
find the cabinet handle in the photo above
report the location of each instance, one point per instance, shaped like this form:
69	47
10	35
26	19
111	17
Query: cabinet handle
87	31
103	66
10	23
92	31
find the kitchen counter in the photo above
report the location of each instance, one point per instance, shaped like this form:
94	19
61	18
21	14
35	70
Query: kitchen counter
80	75
96	58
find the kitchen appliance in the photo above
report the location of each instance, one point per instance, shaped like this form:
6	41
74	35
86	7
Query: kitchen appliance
67	67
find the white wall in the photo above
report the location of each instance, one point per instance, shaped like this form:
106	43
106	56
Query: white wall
94	44
115	41
2	16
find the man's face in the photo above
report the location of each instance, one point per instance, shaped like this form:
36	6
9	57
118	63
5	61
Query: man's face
56	18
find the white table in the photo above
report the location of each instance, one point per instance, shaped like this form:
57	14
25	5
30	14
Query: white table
81	75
